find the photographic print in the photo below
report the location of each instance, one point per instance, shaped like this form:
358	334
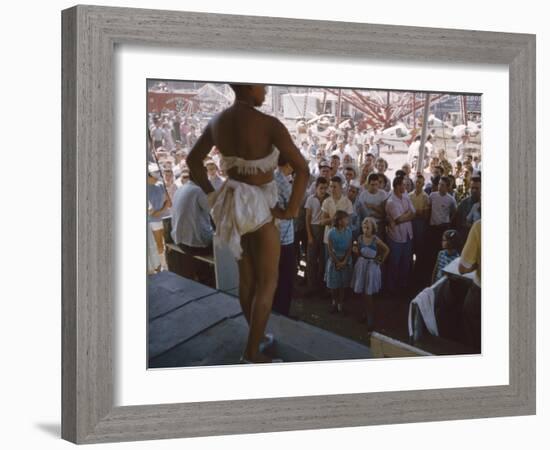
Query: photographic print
303	223
225	305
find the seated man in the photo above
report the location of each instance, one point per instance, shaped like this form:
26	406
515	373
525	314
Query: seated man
191	226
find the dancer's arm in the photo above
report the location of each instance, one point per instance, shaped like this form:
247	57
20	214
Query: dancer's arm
195	158
282	140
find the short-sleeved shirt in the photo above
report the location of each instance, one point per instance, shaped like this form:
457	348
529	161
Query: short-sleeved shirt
443	207
372	199
314	204
396	207
471	253
284	189
330	206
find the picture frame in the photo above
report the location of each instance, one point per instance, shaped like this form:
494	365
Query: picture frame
89	37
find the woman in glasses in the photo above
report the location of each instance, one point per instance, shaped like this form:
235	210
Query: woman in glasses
244	208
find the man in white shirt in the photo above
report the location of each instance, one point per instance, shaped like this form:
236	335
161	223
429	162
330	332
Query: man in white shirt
442	209
413	152
335	160
462	147
371	203
351	148
336	201
304	150
315	233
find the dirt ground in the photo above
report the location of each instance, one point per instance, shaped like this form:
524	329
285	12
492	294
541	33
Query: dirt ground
391	315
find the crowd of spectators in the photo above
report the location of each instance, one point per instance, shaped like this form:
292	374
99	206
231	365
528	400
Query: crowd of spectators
363	229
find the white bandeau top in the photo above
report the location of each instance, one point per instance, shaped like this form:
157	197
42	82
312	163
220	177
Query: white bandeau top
250	166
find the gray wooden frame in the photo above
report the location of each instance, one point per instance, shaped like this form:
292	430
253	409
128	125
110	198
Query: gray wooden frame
89	36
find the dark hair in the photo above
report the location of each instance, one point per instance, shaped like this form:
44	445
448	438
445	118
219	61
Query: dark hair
446	180
351	168
373	177
452	181
419	175
440	168
235	87
400	173
476	179
397	181
282	161
320	180
338	216
451	236
336	180
435	180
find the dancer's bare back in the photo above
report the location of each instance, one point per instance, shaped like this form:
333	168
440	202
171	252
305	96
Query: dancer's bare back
243	131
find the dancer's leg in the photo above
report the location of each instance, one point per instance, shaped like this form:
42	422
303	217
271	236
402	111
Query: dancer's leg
247	283
264	247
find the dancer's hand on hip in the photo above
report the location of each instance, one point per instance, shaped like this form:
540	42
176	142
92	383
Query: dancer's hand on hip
279	213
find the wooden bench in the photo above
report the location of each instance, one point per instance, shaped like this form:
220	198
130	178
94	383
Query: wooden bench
219	270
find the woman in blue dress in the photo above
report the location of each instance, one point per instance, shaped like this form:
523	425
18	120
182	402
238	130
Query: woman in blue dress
339	266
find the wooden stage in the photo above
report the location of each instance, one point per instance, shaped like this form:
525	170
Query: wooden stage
190	324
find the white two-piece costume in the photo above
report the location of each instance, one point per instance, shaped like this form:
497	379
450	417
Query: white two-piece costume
238	208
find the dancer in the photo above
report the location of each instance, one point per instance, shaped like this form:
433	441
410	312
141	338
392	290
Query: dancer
244	208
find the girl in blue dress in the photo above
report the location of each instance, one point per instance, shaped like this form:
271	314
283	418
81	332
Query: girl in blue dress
339	266
371	253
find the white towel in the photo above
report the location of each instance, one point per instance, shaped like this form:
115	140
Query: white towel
426	305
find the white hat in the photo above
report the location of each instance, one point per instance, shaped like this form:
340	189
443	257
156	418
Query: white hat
153	167
336	153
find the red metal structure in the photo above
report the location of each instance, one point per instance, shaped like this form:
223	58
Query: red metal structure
380	111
